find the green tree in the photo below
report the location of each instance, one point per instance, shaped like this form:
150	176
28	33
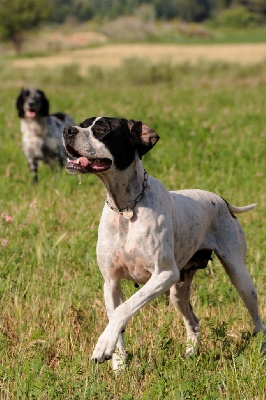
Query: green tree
17	17
239	17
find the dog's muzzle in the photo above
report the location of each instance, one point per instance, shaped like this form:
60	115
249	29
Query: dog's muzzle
79	163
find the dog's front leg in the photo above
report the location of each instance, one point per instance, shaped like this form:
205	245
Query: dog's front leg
113	297
159	282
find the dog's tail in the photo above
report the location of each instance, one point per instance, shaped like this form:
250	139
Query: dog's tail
238	210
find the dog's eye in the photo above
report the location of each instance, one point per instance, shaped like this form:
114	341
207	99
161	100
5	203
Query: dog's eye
100	129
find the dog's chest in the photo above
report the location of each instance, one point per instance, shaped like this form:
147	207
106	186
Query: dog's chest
122	256
32	129
32	138
129	263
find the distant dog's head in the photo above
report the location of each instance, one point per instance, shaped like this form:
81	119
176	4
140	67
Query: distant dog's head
32	103
101	142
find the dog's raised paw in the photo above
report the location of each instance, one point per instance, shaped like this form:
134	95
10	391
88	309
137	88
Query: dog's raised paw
101	359
104	349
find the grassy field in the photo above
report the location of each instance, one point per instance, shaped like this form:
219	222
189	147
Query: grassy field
212	122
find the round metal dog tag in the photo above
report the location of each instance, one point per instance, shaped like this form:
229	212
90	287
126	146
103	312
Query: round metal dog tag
128	213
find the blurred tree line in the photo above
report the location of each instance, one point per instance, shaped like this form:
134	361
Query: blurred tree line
187	10
18	16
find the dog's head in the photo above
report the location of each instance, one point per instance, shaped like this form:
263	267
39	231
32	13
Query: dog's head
32	103
101	142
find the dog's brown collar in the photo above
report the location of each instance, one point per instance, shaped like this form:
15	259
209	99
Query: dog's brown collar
127	212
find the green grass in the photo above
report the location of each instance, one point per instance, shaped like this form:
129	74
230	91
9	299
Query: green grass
211	120
210	33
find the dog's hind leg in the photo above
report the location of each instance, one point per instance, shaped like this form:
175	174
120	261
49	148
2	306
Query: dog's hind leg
180	298
230	248
233	260
113	297
242	281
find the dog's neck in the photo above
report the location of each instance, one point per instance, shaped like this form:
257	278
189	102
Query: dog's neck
125	186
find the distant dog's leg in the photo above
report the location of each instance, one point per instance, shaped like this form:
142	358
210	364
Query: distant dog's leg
179	296
113	297
159	282
61	161
33	166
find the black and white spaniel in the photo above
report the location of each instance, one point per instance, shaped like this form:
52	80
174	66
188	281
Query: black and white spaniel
41	131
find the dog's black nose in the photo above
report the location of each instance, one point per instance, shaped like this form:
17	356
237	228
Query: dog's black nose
70	131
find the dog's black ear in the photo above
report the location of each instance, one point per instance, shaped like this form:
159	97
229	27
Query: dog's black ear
19	104
143	136
44	111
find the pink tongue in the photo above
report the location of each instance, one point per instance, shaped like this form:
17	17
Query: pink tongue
30	114
83	161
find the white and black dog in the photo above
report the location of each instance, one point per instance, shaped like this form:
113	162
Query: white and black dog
152	236
41	131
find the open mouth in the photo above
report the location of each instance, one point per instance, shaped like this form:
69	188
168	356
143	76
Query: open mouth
79	164
30	114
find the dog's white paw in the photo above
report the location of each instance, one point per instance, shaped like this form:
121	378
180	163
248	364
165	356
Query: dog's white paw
104	349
